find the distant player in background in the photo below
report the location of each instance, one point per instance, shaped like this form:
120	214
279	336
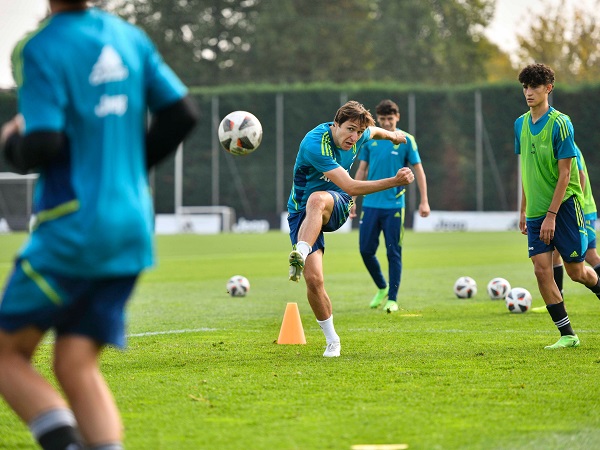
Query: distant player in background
86	80
551	209
384	211
321	199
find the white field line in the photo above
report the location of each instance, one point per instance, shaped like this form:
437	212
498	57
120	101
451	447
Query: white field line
361	330
50	337
155	333
449	331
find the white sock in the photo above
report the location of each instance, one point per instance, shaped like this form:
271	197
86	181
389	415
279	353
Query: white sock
329	330
303	248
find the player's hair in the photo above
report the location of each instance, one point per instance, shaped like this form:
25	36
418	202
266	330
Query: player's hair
77	2
356	112
536	75
387	108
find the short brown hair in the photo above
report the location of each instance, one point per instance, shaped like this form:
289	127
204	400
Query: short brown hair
356	112
387	108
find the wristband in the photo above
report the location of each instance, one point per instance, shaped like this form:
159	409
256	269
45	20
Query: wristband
551	212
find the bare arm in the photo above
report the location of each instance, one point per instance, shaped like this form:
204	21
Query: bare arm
397	136
424	209
549	223
522	217
564	176
354	187
361	174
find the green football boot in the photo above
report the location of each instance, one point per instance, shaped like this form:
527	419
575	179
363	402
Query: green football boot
296	265
564	342
379	297
391	306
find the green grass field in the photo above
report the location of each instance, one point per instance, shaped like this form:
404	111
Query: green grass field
203	371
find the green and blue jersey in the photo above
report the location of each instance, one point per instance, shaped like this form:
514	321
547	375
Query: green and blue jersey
589	206
540	146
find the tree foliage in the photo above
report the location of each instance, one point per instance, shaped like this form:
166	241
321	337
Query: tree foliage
431	40
210	42
569	43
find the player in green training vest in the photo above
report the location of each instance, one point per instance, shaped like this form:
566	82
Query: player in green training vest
551	209
590	215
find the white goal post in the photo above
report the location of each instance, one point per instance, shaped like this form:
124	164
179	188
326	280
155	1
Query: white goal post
226	213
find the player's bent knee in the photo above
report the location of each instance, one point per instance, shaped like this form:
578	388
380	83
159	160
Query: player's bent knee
320	201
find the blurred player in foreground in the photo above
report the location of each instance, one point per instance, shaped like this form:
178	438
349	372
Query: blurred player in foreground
384	211
321	199
86	80
551	210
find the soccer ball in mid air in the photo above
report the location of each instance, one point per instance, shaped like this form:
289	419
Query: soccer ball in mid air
240	132
465	287
518	300
238	286
498	288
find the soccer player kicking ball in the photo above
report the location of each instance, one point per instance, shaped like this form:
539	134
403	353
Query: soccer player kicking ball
321	199
551	210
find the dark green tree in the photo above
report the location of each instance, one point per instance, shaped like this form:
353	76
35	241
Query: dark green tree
200	39
311	40
213	42
437	41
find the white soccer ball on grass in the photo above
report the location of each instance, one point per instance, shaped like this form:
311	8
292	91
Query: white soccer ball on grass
465	287
498	288
518	300
238	286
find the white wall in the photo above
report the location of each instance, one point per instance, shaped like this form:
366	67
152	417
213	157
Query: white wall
466	221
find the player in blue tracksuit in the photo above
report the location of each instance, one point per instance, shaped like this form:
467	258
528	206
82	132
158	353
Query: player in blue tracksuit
321	199
86	81
384	211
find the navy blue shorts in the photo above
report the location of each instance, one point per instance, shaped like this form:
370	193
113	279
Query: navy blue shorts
342	203
570	238
94	308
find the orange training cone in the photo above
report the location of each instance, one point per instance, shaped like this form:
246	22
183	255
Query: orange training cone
291	328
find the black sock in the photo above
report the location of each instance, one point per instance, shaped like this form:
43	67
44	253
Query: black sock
56	429
558	277
595	288
597	269
560	318
62	438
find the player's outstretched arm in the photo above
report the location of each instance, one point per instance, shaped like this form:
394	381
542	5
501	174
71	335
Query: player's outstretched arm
354	187
397	136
